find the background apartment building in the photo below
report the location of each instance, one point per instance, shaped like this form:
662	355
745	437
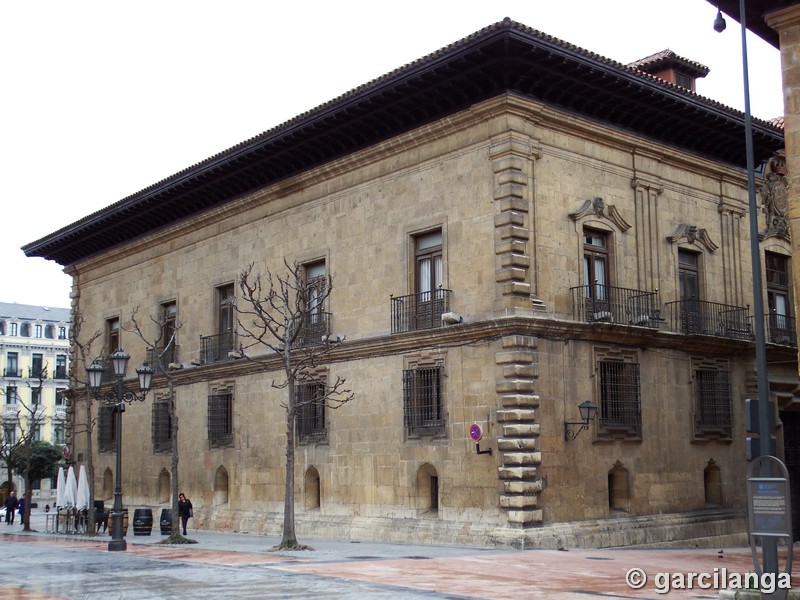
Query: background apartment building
34	348
514	226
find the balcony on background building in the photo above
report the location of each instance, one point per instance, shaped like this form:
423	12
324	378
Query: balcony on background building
61	373
60	413
316	326
419	311
215	348
10	412
710	318
37	373
11	373
599	303
781	329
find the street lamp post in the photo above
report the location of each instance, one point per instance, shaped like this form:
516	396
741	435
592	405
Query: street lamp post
117	397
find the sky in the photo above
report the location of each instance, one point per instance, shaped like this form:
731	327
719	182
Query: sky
101	99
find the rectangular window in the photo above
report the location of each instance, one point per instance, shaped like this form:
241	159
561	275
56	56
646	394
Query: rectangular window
692	318
423	309
779	319
315	319
423	409
13	329
112	335
168	344
215	348
37	331
37	433
10	433
37	366
161	427
713	401
62	333
310	417
61	366
11	394
106	428
220	420
596	276
36	396
58	434
620	398
12	365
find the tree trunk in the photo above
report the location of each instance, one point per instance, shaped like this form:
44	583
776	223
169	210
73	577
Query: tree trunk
91	522
289	536
174	483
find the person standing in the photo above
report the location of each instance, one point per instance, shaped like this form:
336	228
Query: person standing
184	510
11	504
21	510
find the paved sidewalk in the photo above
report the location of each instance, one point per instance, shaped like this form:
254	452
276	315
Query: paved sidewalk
41	566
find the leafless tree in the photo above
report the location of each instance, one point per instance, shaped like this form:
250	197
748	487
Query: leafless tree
162	350
30	418
277	311
80	395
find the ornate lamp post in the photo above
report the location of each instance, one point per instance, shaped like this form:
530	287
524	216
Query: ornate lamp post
118	397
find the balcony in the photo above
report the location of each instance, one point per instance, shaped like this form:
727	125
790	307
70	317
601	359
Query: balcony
60	413
316	326
215	348
710	318
419	311
61	373
10	412
781	330
11	372
609	304
36	372
168	356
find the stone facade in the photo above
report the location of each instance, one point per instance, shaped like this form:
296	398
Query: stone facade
513	186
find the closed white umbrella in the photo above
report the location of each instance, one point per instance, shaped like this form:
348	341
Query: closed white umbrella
82	498
60	483
70	489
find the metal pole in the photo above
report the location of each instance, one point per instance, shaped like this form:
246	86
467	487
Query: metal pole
118	543
770	545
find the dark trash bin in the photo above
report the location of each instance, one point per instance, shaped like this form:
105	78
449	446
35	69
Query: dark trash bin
100	515
142	521
166	521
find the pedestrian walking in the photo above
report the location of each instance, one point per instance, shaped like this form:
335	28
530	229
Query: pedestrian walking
184	510
11	504
21	510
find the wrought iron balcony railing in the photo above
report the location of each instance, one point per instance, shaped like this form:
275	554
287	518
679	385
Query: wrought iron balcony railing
215	348
34	373
419	311
781	329
316	326
61	373
11	373
710	318
609	304
168	355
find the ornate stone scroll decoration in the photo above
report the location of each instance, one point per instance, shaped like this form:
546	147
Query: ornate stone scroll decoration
774	199
692	234
598	208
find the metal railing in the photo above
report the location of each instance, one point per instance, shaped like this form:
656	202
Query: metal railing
168	356
610	304
61	373
11	373
316	325
215	348
781	329
710	318
419	311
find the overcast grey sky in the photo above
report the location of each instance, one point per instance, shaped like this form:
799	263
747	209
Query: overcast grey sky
104	98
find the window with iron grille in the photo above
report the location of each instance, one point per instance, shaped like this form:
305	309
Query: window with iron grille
310	417
423	409
106	428
712	391
220	420
161	431
620	398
